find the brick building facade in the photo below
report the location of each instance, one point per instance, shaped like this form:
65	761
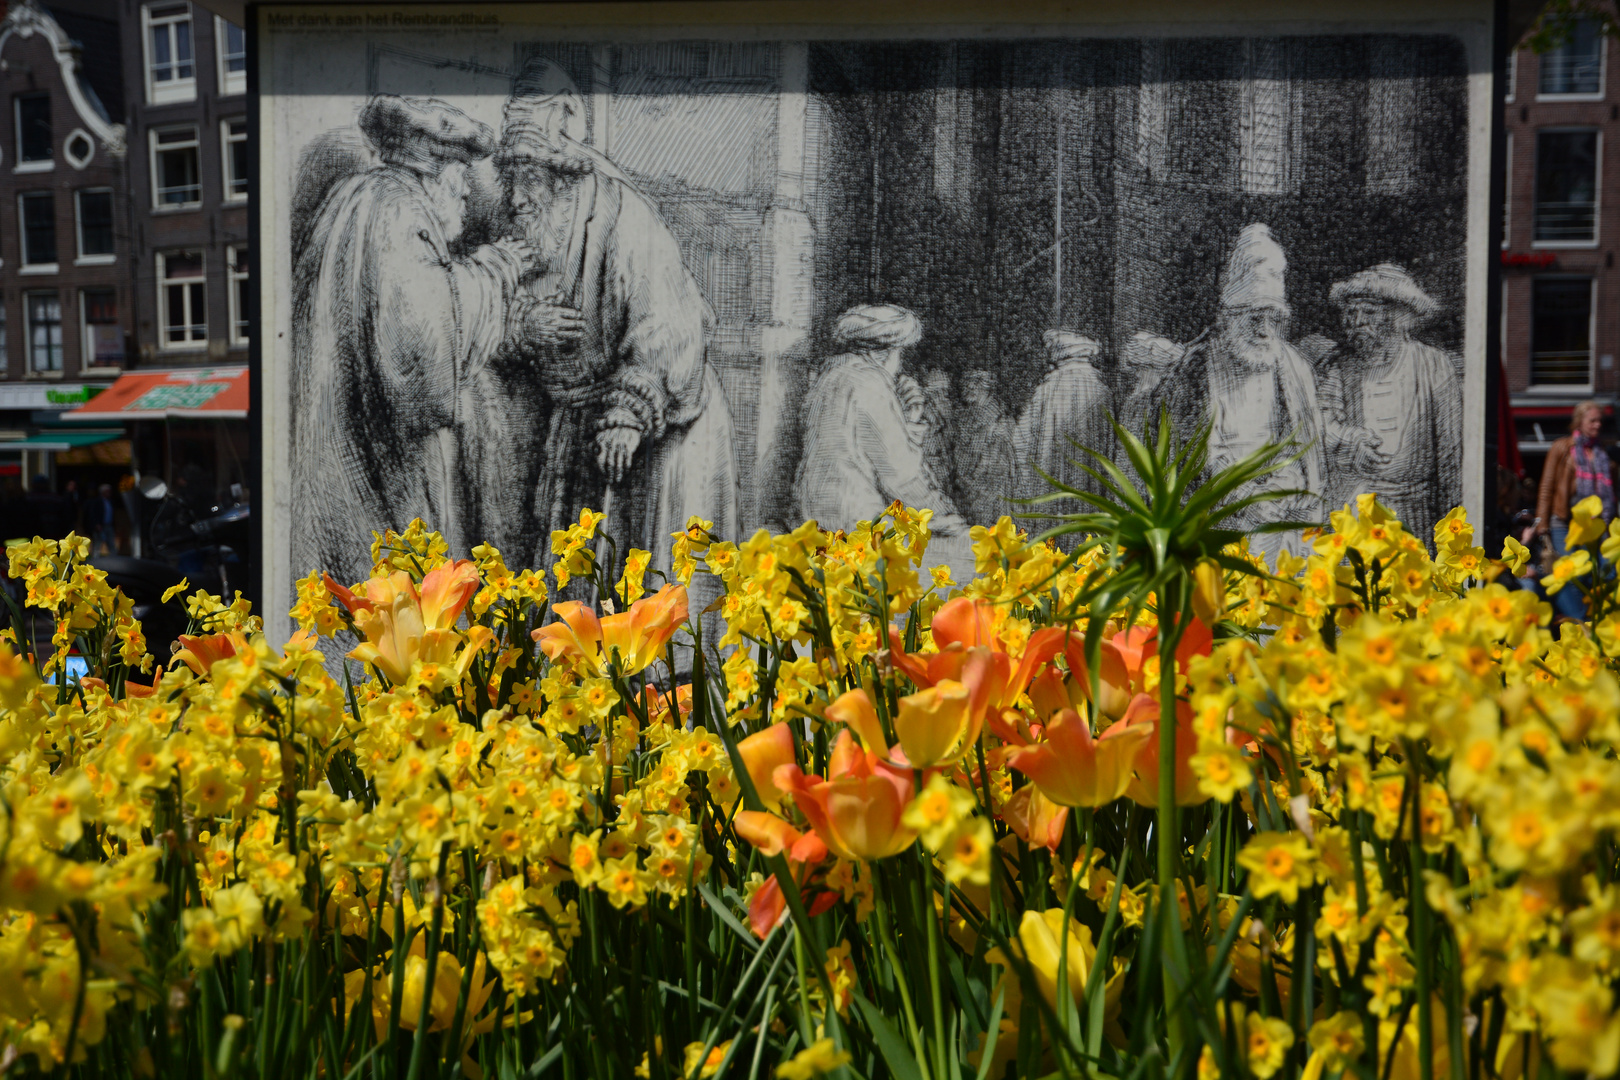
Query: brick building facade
185	80
1561	289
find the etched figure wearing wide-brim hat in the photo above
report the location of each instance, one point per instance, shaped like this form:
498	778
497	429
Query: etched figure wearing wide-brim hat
389	327
1391	404
635	421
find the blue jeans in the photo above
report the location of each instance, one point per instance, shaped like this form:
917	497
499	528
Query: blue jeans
1568	600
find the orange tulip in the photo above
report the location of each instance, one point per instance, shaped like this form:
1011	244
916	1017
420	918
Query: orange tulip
1116	680
856	812
1073	769
1143	715
200	654
1123	659
773	836
936	725
763	753
577	633
403	626
636	635
854	710
1035	819
970	653
446	590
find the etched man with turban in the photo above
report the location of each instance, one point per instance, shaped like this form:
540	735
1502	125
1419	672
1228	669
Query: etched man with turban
635	422
1392	405
1254	387
388	328
861	451
1072	403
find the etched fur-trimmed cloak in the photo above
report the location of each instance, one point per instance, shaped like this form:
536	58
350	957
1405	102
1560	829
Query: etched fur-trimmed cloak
387	328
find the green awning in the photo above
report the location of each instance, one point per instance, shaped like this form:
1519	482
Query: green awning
61	440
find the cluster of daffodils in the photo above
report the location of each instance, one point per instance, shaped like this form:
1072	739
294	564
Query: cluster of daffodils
504	810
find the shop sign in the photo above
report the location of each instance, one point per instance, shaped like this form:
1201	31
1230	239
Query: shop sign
58	397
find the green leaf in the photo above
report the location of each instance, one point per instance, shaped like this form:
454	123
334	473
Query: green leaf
896	1054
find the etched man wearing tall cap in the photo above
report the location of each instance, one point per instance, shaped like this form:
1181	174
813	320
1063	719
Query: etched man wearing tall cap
861	453
1071	403
1254	387
636	422
388	327
1392	405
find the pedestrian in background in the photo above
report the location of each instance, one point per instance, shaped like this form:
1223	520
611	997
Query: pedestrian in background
1577	467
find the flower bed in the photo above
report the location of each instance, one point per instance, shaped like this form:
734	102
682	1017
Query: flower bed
890	825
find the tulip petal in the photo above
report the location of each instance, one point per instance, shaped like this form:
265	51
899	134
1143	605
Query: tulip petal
854	710
762	753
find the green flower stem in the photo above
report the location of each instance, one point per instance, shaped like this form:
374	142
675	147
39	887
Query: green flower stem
880	906
935	991
1168	824
1420	925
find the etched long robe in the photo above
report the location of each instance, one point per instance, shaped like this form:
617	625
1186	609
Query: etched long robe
1414	405
1199	391
860	453
1072	402
387	328
641	363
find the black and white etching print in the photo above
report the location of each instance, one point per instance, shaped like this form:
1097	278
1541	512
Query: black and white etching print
765	281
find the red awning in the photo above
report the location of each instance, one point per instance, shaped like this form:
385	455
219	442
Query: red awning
158	395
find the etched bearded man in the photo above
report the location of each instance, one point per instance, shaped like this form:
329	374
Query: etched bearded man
635	422
1392	405
388	327
1253	387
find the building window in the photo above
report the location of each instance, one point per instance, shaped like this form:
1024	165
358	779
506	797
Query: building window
183	299
1566	186
44	311
37	209
175	176
95	220
1561	331
5	362
103	338
1575	68
1512	74
171	74
233	139
231	44
239	297
33	130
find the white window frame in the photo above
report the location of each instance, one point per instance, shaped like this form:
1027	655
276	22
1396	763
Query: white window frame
1512	76
177	88
16	129
28	335
22	237
232	277
195	144
226	141
87	359
1597	186
163	285
1603	76
80	258
1591	339
231	83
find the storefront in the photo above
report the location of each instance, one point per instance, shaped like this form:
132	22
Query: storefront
38	439
187	427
